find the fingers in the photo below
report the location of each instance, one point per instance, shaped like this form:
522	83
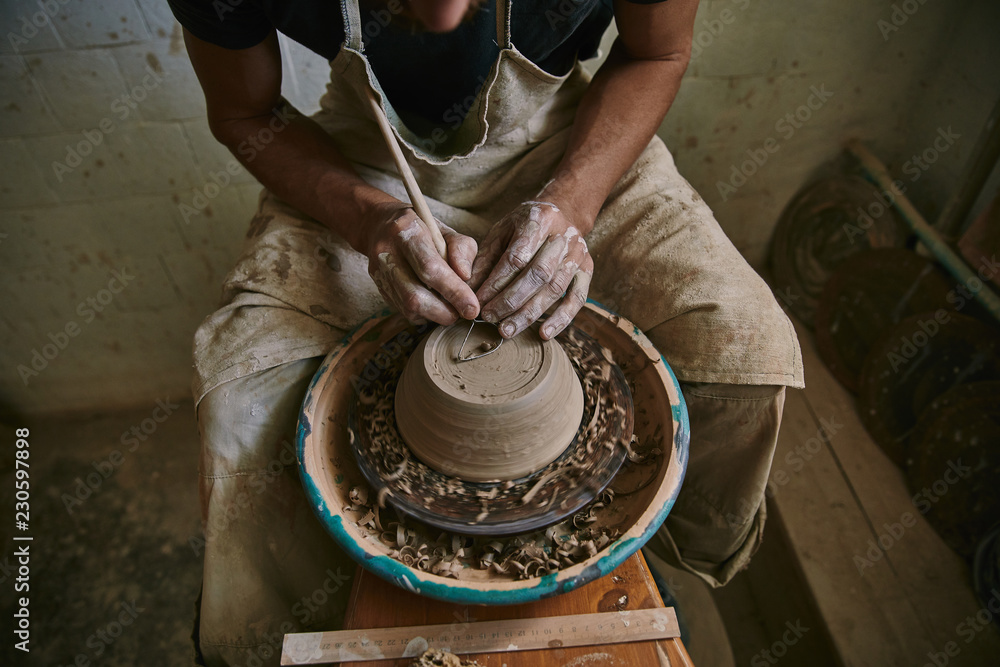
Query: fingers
571	305
528	262
546	267
461	251
540	302
526	241
434	272
493	246
399	285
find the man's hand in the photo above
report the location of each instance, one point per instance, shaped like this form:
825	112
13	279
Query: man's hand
531	259
412	276
536	254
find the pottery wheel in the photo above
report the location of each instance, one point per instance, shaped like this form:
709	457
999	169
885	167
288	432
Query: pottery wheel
866	296
955	443
497	417
579	471
913	364
819	229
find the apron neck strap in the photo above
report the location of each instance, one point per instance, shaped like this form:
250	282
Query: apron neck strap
352	24
503	23
353	34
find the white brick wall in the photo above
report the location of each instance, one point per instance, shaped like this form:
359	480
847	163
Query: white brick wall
23	111
103	135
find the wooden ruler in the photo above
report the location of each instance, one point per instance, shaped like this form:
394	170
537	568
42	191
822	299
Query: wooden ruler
312	648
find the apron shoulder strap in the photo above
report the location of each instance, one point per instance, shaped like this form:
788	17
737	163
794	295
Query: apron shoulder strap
503	23
352	25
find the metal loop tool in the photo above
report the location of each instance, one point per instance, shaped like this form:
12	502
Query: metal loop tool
459	358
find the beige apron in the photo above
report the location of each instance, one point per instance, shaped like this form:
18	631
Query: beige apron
659	253
660	259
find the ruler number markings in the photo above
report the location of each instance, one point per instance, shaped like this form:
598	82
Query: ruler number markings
523	634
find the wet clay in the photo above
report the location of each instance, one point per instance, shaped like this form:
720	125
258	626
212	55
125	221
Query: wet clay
439	658
516	409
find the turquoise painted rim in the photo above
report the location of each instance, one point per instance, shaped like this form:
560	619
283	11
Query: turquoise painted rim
399	574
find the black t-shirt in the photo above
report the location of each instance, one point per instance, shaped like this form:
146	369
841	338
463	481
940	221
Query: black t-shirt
431	79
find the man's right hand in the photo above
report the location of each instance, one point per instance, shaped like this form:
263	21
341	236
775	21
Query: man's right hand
303	167
411	274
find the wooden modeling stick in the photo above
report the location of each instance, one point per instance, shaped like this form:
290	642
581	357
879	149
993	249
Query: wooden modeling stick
409	182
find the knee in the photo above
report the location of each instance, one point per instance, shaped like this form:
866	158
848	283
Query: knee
717	521
737	335
248	424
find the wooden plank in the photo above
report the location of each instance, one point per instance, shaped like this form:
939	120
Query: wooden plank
870	618
378	604
933	579
785	606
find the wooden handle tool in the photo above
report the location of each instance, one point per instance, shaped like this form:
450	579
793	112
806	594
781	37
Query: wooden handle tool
410	183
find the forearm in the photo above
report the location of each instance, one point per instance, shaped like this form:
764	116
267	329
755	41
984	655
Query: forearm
298	161
619	114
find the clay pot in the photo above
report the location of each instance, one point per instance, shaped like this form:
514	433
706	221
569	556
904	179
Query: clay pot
498	417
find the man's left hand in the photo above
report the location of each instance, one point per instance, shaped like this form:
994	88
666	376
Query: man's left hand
531	259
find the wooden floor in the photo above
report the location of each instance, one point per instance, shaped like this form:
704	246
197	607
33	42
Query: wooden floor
833	496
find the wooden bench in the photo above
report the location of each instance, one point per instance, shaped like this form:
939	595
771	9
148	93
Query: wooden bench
834	495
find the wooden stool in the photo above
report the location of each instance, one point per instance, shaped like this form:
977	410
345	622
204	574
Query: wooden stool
375	603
